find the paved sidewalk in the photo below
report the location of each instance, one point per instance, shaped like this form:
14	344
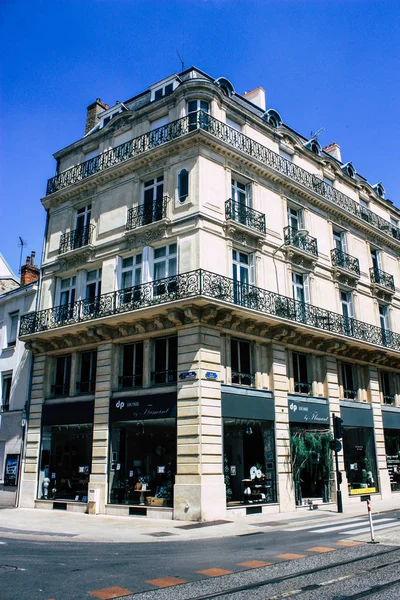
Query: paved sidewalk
22	523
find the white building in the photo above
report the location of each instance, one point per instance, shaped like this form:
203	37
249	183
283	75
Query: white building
215	287
15	372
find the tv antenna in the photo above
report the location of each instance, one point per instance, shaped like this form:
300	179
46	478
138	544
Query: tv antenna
314	136
181	59
22	244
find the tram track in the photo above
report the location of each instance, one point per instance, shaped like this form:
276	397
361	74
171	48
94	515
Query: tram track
296	592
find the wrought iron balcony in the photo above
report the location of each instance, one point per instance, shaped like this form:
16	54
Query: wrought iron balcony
147	213
130	381
302	242
301	387
86	387
350	394
60	389
204	284
235	139
345	261
242	378
388	399
77	238
240	213
160	377
382	278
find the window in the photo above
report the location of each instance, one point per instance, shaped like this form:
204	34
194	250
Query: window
339	240
300	287
350	391
93	292
62	376
132	366
386	389
12	337
286	155
165	360
67	299
197	119
131	278
6	391
384	323
241	362
295	219
243	276
159	122
241	192
164	90
376	259
83	217
346	303
300	374
233	124
88	365
183	185
165	265
153	195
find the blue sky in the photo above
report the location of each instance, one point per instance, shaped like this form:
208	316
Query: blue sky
323	63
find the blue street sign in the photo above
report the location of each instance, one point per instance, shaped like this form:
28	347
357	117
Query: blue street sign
188	375
211	375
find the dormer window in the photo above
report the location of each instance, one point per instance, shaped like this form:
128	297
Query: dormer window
349	170
272	117
379	190
163	88
314	146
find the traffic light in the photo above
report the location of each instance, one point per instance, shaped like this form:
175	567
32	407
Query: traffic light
338	428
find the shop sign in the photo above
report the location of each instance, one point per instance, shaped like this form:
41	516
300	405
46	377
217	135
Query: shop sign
11	469
132	408
308	412
187	375
211	375
362	491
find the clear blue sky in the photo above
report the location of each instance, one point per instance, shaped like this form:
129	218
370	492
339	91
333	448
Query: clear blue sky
323	63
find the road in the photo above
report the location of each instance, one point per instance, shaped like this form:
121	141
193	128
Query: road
277	560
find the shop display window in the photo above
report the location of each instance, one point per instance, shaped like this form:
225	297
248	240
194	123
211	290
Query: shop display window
143	462
65	462
360	460
392	444
249	462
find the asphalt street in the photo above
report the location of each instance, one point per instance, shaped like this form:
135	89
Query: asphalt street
31	569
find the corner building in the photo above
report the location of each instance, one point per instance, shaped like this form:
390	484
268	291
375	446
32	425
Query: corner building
215	287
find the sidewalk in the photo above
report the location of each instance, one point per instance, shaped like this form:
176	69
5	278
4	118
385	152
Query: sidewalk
46	525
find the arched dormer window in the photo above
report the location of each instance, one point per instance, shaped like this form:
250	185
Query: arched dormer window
314	146
183	185
272	117
225	86
349	169
379	190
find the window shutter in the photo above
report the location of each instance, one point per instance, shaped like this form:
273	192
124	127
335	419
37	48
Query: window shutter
147	264
249	195
306	289
351	309
117	273
343	239
252	275
300	215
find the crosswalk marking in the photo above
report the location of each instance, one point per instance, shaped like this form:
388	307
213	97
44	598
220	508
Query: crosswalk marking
304	527
330	528
366	529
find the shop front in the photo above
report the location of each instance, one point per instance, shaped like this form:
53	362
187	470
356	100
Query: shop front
391	425
143	439
66	451
248	446
310	449
359	448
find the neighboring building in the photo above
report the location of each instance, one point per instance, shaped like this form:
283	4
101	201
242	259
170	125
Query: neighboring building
215	287
15	370
8	281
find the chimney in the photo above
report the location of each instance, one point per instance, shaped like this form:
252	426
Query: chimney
29	271
93	110
257	97
334	150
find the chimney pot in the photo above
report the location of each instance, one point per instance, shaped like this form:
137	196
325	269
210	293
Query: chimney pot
29	272
93	110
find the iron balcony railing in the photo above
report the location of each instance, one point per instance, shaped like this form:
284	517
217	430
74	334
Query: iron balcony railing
245	215
60	389
201	283
160	377
306	242
147	213
86	387
388	399
345	261
232	137
130	381
350	394
243	378
77	238
301	387
381	278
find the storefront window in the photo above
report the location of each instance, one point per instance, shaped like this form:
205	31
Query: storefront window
360	460
392	443
249	462
143	462
65	460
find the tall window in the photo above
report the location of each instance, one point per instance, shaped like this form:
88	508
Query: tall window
131	278
153	199
93	291
302	385
165	360
376	259
339	239
241	362
132	366
83	217
196	119
384	323
62	379
386	388
67	298
350	391
183	185
241	192
88	366
6	391
165	265
295	218
346	303
12	336
243	275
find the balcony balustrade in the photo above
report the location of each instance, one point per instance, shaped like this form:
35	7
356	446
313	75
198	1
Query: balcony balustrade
240	378
306	243
381	278
201	283
130	381
388	399
237	140
301	387
146	213
350	394
77	238
161	377
86	387
345	261
240	213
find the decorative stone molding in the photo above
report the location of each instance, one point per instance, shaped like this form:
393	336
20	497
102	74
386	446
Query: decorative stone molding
300	259
241	234
76	258
145	238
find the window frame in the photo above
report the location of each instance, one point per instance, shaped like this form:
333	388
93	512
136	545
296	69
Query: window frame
349	393
66	369
239	377
87	386
13	331
6	386
135	377
300	386
168	375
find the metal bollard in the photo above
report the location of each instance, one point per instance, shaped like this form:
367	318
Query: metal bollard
371	524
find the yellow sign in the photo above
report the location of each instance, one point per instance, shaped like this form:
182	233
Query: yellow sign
361	491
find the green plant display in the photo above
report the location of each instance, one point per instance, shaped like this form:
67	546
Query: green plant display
227	479
304	444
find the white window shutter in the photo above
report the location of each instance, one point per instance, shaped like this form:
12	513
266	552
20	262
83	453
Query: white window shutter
351	306
249	195
57	294
306	288
344	242
300	215
252	275
117	273
147	262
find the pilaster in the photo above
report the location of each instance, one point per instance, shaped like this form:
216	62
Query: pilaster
383	474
